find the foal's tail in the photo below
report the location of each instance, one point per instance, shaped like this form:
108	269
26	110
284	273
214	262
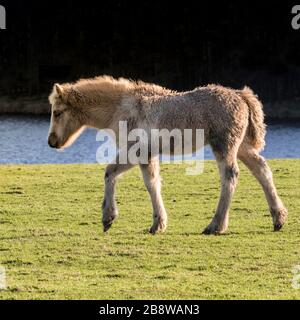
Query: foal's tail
256	128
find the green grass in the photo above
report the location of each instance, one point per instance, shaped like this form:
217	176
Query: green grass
53	247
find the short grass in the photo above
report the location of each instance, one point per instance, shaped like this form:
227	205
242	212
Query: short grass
53	247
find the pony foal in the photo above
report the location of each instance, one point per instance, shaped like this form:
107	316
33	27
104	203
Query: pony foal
232	120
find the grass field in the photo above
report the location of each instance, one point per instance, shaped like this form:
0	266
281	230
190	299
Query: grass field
52	245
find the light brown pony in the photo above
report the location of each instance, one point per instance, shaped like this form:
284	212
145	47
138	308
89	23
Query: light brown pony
232	120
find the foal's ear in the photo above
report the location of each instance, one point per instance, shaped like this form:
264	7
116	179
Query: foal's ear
59	90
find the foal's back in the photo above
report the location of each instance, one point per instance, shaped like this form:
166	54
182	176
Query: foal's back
215	109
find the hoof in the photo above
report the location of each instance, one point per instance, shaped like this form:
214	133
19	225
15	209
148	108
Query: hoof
279	218
108	223
211	229
277	227
106	227
207	231
158	228
152	230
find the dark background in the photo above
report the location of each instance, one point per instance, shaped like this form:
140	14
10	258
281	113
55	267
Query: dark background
176	44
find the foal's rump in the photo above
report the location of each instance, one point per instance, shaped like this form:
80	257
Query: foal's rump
232	117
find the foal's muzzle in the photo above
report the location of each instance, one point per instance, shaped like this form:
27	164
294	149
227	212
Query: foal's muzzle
52	140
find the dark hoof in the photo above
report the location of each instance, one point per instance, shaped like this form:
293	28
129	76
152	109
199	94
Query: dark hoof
207	231
212	231
279	218
151	231
277	227
108	223
154	230
106	227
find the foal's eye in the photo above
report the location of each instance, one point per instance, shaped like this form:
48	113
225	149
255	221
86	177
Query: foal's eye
57	114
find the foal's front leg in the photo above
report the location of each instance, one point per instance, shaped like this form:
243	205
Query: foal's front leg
152	182
109	206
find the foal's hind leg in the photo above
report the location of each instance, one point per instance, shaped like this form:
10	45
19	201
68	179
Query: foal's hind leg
260	169
152	182
109	206
229	171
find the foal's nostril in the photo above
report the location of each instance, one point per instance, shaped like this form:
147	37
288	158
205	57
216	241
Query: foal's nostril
52	140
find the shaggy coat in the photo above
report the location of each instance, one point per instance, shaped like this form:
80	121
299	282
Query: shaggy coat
233	123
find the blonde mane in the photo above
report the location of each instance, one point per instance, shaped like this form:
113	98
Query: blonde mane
105	90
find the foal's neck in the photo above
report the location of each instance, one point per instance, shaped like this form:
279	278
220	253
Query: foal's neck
110	108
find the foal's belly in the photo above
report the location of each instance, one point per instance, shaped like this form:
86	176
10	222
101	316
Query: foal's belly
181	144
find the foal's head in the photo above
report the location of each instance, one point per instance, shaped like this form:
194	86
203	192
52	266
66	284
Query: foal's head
67	120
